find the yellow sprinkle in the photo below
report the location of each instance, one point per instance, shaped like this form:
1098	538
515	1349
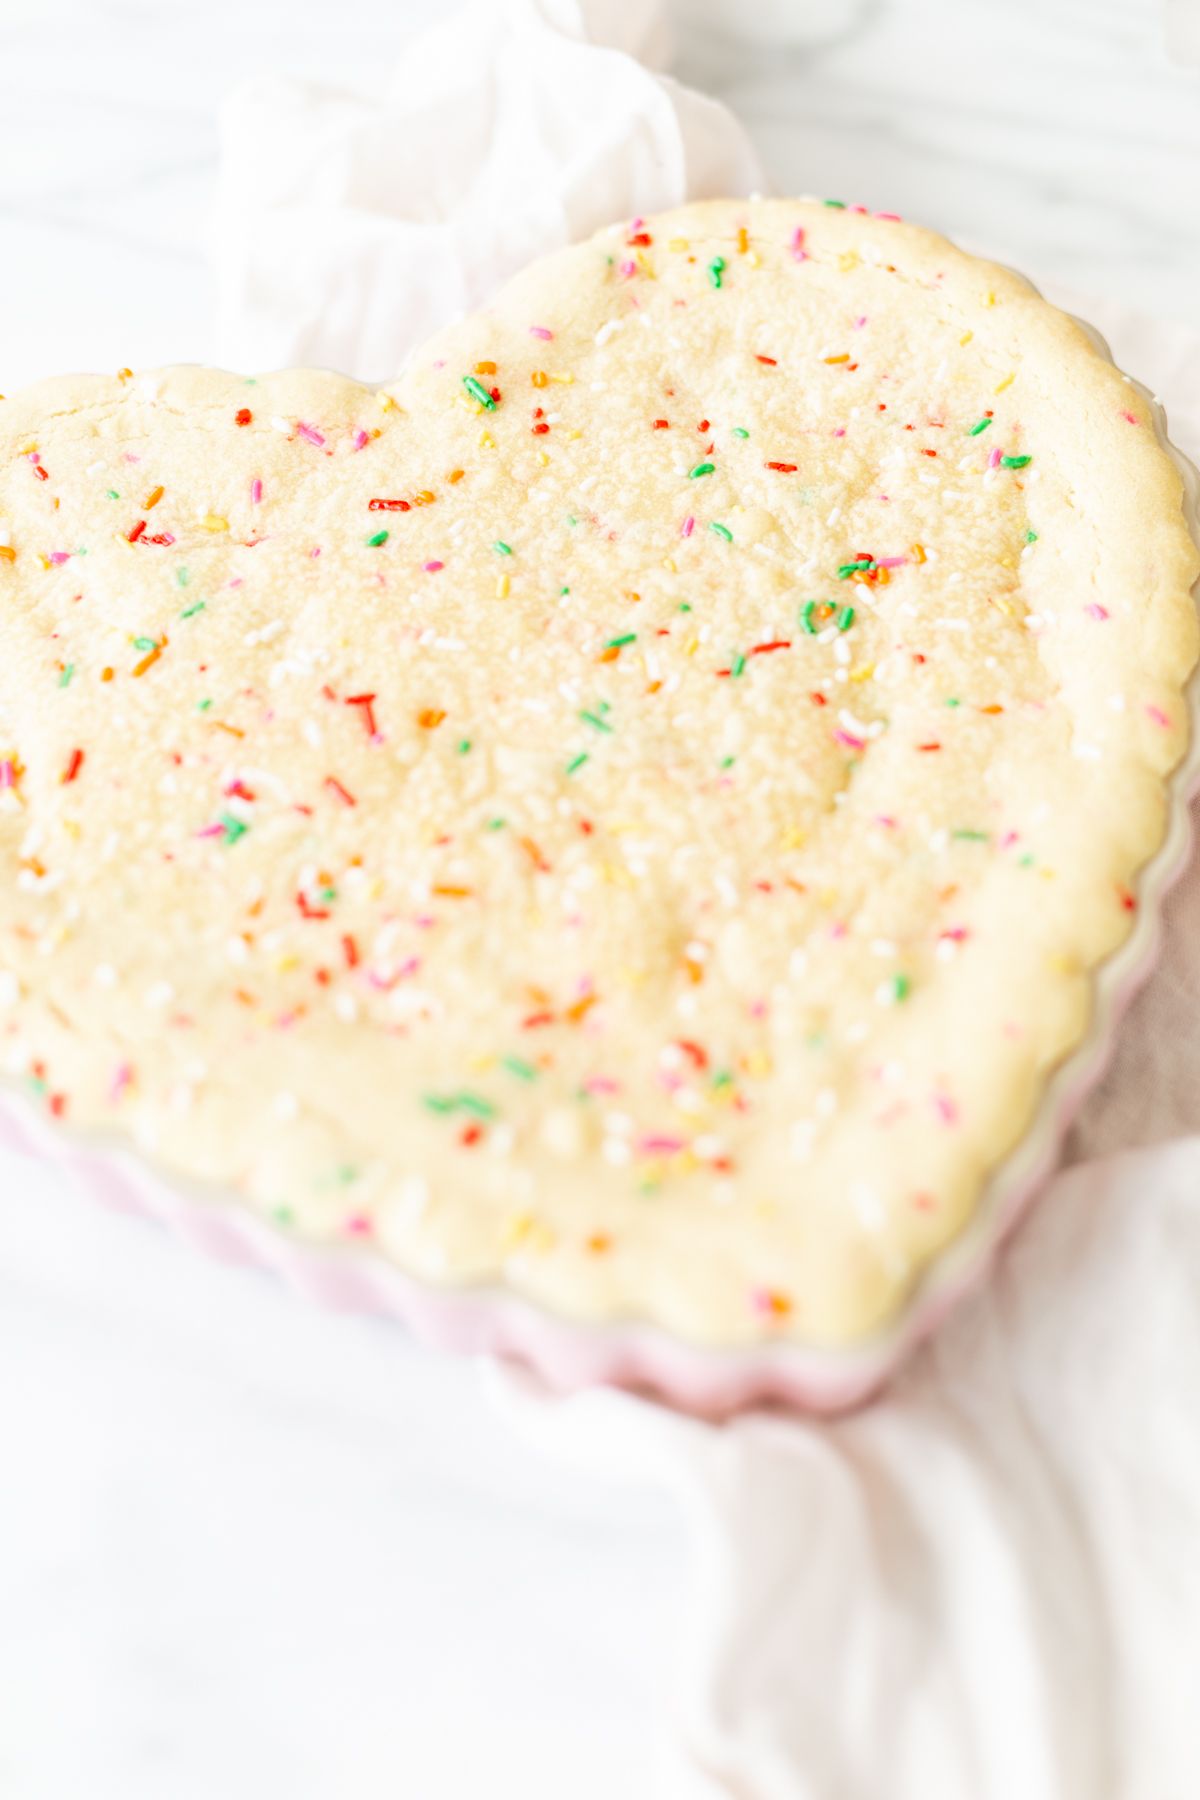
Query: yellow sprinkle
757	1065
966	337
1007	382
828	896
502	587
27	449
480	1065
563	380
617	875
574	434
284	963
691	647
792	839
989	299
754	259
214	522
543	459
847	260
863	673
677	244
386	402
515	1229
486	441
668	564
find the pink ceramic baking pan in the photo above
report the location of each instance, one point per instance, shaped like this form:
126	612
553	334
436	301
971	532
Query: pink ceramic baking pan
710	1381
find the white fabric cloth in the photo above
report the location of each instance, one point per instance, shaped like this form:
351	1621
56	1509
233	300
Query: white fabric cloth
984	1585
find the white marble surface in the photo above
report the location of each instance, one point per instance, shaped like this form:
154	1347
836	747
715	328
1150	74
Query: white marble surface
236	1559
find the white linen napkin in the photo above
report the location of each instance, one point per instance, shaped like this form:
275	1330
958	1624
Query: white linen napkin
984	1585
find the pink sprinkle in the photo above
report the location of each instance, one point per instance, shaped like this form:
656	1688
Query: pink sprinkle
33	456
658	1144
130	457
856	209
994	459
255	491
358	1225
209	831
1095	611
431	568
120	1081
315	551
688	526
309	433
58	557
236	582
894	217
799	253
1130	416
1009	839
8	773
890	562
946	1109
957	934
1158	715
361	439
763	1301
602	1084
848	738
628	267
837	930
884	819
859	323
840	432
540	331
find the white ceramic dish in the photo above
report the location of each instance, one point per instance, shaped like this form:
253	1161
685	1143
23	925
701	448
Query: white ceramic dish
629	1353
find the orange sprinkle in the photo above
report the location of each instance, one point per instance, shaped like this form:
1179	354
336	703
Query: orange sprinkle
424	498
148	661
429	717
153	498
7	553
918	553
579	1009
539	378
844	357
599	1242
609	655
743	240
454	476
485	368
449	892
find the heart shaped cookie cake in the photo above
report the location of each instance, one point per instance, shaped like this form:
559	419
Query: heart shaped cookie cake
632	809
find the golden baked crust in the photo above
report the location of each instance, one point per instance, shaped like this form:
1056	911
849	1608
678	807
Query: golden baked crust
632	808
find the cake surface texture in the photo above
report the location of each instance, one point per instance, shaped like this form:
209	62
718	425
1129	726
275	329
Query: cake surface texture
632	810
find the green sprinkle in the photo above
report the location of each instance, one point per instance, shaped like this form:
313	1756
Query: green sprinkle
64	679
283	1215
898	989
478	392
701	469
145	643
564	590
951	700
1026	861
182	577
685	606
380	537
981	425
464	744
722	531
464	1102
972	837
716	269
740	431
1014	462
806	617
517	1066
190	611
234	828
815	614
840	204
727	762
591	718
722	1078
571	519
501	548
203	705
1031	537
497	824
112	493
737	665
845	618
577	762
852	568
619	643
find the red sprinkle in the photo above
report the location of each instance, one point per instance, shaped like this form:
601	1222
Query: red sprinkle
769	360
784	468
367	702
347	798
137	531
388	506
242	416
74	764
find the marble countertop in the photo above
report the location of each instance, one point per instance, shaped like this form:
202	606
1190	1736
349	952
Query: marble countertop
236	1558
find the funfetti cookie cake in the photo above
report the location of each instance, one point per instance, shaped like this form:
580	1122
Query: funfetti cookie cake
631	810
